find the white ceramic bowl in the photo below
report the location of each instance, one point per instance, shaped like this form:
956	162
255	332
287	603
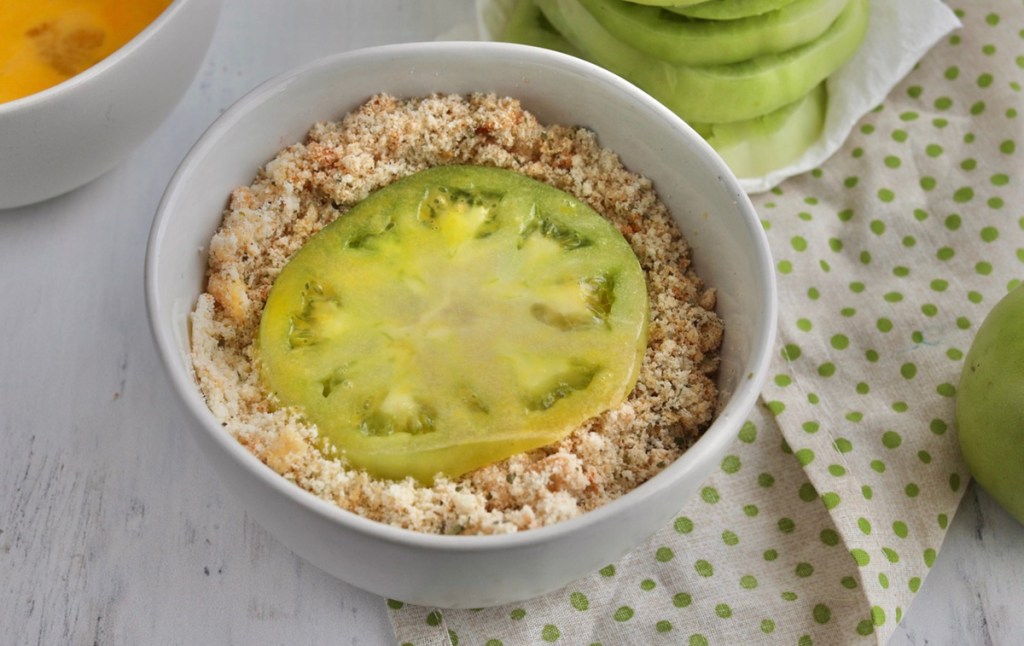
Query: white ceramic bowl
70	134
730	252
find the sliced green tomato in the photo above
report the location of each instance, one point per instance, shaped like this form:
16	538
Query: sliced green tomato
454	318
729	9
663	3
528	26
717	93
758	146
684	41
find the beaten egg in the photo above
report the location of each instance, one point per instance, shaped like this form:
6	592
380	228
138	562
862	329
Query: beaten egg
46	42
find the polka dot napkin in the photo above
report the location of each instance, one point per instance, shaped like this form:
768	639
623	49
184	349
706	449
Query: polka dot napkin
825	517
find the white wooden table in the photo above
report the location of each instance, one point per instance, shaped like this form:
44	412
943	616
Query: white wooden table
113	530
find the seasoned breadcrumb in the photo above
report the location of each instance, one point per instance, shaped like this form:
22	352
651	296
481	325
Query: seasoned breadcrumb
310	184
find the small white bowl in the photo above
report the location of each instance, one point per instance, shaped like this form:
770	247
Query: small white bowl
67	135
730	252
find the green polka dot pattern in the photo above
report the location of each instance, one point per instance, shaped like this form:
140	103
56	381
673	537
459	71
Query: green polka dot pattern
706	575
919	217
823	520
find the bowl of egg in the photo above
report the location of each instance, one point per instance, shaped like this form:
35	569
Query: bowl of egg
459	322
84	83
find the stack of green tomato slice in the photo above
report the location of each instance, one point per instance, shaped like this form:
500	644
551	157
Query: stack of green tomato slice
749	75
452	319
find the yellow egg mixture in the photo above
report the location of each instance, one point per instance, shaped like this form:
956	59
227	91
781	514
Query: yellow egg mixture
45	42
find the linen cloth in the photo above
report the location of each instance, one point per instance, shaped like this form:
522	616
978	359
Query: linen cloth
822	522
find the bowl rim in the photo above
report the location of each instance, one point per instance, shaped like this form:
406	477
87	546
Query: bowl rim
741	400
114	58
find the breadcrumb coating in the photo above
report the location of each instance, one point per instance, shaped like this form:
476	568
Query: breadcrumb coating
310	184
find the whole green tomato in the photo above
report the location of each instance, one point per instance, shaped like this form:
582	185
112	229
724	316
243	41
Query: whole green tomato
990	404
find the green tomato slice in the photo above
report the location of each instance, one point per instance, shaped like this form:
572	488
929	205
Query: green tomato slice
684	41
763	144
452	319
717	93
729	9
528	26
664	3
